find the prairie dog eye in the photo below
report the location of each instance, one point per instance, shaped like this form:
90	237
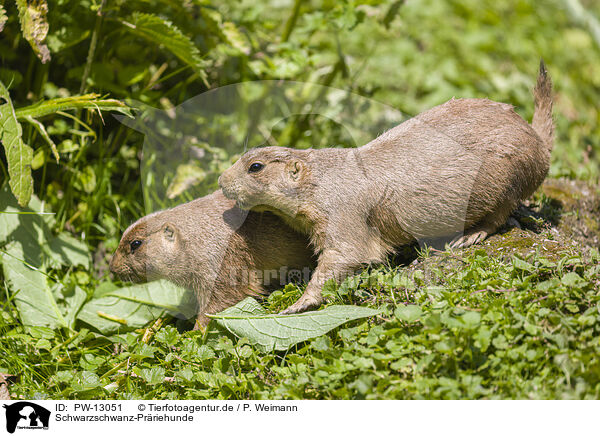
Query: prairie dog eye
255	167
134	245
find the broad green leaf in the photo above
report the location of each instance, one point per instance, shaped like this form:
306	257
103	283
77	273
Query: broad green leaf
66	250
522	265
471	319
30	249
73	302
86	101
409	313
18	154
122	309
279	332
32	15
85	381
163	32
33	298
32	226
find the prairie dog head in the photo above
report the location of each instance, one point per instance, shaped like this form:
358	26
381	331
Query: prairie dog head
269	178
150	249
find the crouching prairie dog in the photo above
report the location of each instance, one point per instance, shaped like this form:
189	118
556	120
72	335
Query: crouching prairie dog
213	248
459	168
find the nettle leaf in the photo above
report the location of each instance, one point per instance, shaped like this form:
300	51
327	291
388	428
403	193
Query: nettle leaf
279	332
227	32
3	18
152	376
18	154
522	265
32	15
163	32
131	307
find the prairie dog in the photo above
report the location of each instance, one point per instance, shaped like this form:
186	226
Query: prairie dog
212	248
462	166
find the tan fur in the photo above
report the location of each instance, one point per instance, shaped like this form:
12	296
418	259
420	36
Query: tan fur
462	166
210	247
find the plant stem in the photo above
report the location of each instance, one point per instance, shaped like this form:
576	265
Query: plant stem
92	49
291	22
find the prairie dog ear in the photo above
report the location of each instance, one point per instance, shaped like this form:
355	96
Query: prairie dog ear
169	232
295	169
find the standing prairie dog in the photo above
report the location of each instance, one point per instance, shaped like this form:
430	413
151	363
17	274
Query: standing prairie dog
462	166
212	248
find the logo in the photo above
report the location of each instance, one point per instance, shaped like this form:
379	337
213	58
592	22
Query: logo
26	415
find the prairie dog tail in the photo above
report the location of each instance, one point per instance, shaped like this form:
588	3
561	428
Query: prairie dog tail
542	116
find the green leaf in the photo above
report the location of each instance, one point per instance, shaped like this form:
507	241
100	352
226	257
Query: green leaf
18	154
85	381
409	313
168	336
572	279
279	332
152	376
42	131
86	101
227	32
187	175
163	32
32	295
65	250
30	250
522	265
134	306
471	319
3	18
32	15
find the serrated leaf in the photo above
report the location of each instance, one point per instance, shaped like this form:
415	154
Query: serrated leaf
572	279
235	38
132	307
165	33
279	332
226	31
32	15
3	18
152	376
18	154
522	265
